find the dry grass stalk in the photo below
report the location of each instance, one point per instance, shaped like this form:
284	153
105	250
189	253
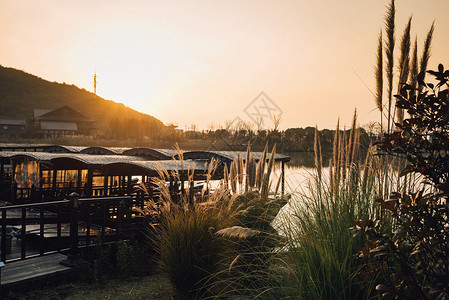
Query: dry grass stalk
336	157
367	168
225	181
250	170
389	52
260	169
317	151
266	183
238	232
414	66
378	71
345	163
331	177
426	51
343	156
212	167
404	64
355	145
233	174
248	175
241	169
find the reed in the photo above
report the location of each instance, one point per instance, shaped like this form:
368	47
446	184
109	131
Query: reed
408	68
378	71
205	243
413	76
404	64
389	53
253	239
223	243
426	50
181	227
321	249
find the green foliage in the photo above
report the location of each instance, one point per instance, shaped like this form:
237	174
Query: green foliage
102	266
132	260
412	260
123	260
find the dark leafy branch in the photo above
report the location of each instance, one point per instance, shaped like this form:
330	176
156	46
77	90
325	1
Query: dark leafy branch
411	260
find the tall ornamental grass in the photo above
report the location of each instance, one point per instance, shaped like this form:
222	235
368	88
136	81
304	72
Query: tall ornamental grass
182	226
321	250
217	242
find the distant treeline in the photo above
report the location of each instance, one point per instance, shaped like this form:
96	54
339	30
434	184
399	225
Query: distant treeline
135	129
298	142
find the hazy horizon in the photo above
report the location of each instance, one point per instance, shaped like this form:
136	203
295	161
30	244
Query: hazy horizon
205	62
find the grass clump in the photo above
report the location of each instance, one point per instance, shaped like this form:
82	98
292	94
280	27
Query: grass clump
188	249
215	243
321	250
181	228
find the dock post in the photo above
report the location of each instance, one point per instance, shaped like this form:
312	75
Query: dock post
120	218
283	179
3	242
13	192
2	264
191	191
74	259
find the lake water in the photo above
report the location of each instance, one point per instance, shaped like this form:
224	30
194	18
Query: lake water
295	178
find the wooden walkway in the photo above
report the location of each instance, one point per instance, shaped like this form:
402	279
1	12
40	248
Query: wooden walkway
34	269
33	236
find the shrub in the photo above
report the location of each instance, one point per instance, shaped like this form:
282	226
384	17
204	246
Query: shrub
111	261
102	265
412	261
133	260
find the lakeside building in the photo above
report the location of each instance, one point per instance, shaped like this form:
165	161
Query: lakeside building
12	127
61	122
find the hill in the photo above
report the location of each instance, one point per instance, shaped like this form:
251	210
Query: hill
21	92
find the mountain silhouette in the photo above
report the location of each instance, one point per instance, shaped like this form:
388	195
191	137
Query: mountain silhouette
21	93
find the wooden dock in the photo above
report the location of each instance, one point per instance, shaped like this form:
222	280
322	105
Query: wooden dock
34	269
35	235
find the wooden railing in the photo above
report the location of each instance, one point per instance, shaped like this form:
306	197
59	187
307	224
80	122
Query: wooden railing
98	218
32	195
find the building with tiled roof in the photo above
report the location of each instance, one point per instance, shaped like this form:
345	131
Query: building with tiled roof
63	121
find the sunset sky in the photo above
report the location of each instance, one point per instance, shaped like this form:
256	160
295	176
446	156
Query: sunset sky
204	62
